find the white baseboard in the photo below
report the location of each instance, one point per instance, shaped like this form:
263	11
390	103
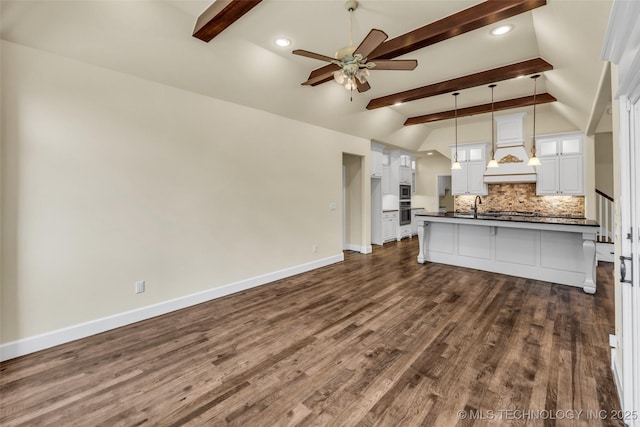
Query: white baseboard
35	343
358	248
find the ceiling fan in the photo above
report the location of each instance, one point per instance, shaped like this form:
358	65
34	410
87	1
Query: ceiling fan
351	65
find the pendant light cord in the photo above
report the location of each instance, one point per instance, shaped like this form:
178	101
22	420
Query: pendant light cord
535	87
455	97
493	139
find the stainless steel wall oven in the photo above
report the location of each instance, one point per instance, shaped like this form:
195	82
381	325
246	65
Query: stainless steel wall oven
405	212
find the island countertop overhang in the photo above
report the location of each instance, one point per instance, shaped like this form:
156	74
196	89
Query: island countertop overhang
513	221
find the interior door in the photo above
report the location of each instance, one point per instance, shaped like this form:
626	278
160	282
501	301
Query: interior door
629	279
634	137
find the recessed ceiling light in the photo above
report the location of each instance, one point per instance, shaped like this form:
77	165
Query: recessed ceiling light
429	153
503	29
398	103
282	42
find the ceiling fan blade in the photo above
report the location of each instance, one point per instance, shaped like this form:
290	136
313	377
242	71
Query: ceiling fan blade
363	87
321	74
372	41
397	64
312	55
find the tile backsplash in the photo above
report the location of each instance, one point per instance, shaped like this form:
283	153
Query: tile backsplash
522	198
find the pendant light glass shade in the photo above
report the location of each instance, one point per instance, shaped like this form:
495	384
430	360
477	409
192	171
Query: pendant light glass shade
456	164
492	163
533	160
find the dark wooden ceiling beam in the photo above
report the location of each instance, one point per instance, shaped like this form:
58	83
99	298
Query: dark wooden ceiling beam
508	104
220	15
531	66
478	16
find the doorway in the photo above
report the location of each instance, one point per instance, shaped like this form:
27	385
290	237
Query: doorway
443	193
353	208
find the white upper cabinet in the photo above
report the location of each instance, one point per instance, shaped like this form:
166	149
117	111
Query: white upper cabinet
377	156
386	173
562	169
469	179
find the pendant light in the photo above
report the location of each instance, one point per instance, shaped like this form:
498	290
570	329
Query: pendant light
534	161
456	163
492	163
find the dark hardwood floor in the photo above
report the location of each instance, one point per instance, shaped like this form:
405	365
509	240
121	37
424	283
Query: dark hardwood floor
376	340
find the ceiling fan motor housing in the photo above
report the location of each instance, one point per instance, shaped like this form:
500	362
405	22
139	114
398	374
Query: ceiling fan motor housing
345	52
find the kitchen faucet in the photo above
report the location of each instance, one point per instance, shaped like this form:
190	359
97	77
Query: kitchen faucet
477	201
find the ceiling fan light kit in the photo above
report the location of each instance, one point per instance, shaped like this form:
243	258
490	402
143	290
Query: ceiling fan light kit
351	65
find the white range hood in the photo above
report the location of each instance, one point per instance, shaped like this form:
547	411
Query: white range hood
510	152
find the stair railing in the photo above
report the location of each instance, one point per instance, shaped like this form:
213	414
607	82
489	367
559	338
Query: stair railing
605	217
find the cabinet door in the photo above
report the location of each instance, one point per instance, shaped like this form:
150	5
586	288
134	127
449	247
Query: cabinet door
376	163
386	228
547	148
459	180
462	155
386	180
571	175
475	154
405	176
571	146
547	176
475	178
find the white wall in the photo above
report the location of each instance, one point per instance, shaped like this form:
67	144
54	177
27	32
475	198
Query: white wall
108	179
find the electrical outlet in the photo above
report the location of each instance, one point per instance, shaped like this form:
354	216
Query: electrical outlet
332	206
140	287
314	248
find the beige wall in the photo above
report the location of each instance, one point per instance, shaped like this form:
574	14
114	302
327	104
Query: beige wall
427	170
354	200
604	162
108	179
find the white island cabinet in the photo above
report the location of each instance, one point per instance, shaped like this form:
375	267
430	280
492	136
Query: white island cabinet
558	250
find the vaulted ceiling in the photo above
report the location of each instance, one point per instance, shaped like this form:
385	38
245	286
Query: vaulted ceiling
241	64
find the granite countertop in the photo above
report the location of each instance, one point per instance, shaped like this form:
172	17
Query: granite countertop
515	218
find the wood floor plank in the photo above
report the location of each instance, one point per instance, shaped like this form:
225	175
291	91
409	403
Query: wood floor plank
377	340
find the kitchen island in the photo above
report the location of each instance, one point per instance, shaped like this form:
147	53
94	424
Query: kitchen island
558	250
